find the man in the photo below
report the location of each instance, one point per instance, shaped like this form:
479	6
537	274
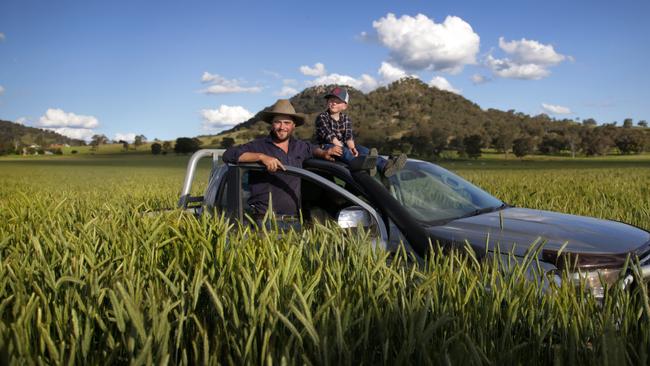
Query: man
275	151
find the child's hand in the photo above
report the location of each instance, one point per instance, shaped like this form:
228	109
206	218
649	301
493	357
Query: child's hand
352	148
337	142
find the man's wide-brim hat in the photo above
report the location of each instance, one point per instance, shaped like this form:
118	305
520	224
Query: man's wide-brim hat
282	107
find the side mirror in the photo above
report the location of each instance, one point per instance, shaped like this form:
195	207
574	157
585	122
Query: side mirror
353	216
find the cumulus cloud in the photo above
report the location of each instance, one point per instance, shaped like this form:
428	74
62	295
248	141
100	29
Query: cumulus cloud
221	85
128	137
507	68
527	59
2	37
443	84
555	109
286	91
55	117
22	120
419	43
69	124
479	79
364	83
2	89
531	52
74	133
224	116
317	70
390	73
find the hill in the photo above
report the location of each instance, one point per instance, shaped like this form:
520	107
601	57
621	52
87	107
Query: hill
14	135
411	116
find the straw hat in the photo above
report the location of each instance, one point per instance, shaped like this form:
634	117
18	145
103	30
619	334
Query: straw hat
282	107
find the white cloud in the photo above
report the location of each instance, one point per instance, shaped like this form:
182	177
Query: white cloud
290	82
527	59
75	133
390	73
555	109
2	89
419	43
443	84
221	85
531	52
364	83
286	91
128	137
2	37
224	116
22	120
479	79
317	70
55	117
507	68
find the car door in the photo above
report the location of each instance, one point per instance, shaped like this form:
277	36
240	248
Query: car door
234	191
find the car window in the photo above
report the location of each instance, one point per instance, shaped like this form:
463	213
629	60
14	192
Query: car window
431	193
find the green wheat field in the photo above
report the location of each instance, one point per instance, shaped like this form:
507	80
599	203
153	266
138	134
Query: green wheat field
86	278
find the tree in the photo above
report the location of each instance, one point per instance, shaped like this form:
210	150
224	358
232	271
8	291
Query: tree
642	123
167	146
589	122
473	145
627	123
139	140
125	145
186	145
596	142
156	148
630	142
227	142
504	140
439	139
552	143
523	146
97	140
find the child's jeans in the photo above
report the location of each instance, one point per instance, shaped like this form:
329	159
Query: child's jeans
362	150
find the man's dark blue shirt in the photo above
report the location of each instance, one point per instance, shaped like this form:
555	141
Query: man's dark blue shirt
284	188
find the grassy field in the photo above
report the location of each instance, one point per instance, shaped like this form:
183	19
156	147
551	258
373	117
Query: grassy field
85	278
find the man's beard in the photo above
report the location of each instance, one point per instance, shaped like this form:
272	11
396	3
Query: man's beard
277	138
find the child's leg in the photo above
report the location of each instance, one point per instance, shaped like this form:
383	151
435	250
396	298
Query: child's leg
381	162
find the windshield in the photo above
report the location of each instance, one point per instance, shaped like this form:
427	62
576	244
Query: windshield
432	193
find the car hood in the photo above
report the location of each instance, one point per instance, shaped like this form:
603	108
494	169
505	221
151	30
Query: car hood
516	229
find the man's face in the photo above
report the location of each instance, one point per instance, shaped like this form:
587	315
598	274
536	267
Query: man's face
336	105
282	127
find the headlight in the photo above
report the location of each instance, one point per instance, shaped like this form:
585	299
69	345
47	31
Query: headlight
596	280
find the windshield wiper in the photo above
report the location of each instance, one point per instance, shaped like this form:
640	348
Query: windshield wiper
481	211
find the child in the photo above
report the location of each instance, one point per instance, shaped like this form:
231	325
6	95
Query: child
333	128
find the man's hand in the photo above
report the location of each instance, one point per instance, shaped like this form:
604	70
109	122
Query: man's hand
272	164
333	151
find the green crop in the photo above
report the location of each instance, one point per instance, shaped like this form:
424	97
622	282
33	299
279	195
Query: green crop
87	277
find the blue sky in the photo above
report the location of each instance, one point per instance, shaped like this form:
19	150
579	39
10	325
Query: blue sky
168	69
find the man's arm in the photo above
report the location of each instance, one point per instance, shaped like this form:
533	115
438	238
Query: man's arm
272	164
246	154
328	154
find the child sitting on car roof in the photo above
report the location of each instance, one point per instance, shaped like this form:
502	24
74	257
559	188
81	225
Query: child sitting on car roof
334	128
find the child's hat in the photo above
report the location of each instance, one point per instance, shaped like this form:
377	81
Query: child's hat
339	92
